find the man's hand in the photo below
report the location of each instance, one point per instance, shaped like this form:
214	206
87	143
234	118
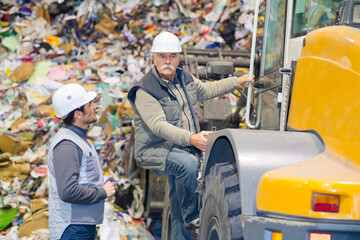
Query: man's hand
109	187
244	79
199	140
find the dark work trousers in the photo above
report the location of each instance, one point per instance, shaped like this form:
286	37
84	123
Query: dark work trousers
182	170
79	232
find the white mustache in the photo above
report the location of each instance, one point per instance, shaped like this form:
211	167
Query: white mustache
167	67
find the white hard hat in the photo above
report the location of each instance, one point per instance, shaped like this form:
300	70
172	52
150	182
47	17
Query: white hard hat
166	42
70	97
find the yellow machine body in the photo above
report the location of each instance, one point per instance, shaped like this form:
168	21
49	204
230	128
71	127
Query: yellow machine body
325	98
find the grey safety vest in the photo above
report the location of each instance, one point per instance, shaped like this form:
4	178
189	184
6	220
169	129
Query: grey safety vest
61	213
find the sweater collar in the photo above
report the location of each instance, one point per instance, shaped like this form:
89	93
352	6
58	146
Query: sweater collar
78	130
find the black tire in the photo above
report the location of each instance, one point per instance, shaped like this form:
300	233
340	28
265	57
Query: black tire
166	218
221	206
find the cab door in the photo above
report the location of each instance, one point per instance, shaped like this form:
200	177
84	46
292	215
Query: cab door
272	56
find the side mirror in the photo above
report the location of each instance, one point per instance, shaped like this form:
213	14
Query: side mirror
217	70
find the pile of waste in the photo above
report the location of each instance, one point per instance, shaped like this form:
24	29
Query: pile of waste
104	46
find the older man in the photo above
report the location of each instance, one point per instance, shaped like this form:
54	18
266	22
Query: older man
167	136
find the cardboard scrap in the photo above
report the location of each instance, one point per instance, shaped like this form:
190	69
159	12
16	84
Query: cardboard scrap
11	170
106	25
22	72
37	204
45	110
17	122
38	220
13	145
67	47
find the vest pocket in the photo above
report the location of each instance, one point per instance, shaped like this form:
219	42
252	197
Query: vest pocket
172	113
90	164
92	171
154	156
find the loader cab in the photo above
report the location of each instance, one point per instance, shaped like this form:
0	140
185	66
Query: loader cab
286	24
305	16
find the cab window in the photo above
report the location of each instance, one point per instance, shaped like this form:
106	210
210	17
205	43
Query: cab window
309	15
273	45
356	15
271	60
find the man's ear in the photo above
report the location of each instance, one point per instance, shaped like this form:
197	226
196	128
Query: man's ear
77	114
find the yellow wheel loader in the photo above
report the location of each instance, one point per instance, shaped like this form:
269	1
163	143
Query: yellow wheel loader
297	176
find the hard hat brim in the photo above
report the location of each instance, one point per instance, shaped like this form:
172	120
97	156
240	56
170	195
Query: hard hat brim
153	50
